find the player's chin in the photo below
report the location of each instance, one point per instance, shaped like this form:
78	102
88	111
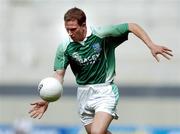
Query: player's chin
75	40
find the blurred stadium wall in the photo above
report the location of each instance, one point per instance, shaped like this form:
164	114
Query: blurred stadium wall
30	31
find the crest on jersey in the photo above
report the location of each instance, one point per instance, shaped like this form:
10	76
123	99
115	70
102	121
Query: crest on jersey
97	47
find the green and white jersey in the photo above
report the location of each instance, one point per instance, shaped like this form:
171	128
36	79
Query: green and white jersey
93	60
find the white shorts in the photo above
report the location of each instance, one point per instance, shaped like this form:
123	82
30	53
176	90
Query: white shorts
95	98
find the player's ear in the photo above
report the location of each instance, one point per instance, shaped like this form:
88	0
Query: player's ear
83	24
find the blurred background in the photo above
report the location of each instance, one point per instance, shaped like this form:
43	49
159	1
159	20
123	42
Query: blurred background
31	30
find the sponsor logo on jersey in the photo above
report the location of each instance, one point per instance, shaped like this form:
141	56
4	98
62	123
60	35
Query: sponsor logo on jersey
85	61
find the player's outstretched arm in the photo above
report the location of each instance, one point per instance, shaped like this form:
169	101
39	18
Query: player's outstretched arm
155	49
38	109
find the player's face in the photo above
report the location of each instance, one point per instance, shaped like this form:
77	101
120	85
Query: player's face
75	31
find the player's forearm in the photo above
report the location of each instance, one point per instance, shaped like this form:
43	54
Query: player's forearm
59	74
140	33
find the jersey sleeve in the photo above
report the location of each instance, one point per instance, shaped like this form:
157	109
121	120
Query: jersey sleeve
113	34
111	30
61	59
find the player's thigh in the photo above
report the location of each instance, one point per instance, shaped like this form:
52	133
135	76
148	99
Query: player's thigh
101	123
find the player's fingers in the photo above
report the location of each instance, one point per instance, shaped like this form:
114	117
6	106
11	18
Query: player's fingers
35	103
167	49
156	57
164	55
40	115
35	115
168	53
30	111
33	109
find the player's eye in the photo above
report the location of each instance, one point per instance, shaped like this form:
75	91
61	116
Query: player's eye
73	29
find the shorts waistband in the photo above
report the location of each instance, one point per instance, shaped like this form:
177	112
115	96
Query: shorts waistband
95	85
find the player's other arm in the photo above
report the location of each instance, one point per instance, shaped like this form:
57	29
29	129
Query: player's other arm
155	49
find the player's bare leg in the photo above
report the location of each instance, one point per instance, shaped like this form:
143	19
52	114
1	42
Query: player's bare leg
100	124
88	129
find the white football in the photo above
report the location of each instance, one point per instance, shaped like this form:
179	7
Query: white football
50	89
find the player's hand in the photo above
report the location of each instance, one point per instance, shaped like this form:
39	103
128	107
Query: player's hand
162	50
38	109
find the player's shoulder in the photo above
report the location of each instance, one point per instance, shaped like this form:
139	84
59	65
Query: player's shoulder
63	44
110	29
100	31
